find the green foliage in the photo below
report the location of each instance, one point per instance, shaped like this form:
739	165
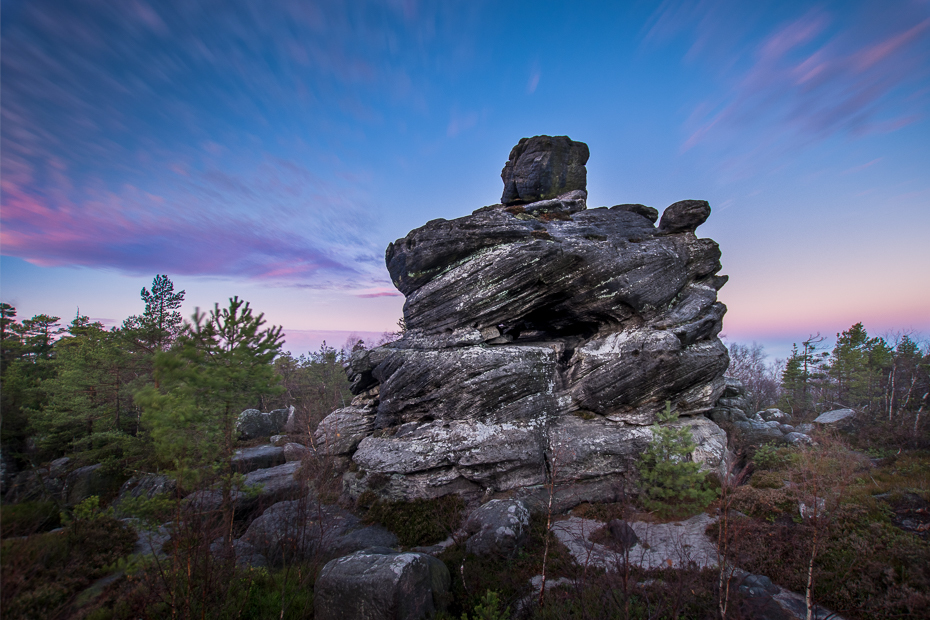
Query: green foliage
421	521
88	401
160	323
315	384
489	608
275	594
28	518
770	456
671	483
149	510
804	375
220	365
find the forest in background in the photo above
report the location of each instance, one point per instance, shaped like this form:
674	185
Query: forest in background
75	389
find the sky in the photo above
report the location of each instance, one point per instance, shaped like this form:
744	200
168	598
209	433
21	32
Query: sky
272	150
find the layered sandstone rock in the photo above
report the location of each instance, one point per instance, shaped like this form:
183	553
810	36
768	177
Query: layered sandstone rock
543	338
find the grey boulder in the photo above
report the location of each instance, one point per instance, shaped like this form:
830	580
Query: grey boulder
836	416
543	167
498	527
89	480
303	529
296	452
253	423
684	216
381	584
260	457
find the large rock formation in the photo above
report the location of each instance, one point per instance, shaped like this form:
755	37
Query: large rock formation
543	337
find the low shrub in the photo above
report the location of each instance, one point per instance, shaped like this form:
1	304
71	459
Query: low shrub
419	522
43	573
28	518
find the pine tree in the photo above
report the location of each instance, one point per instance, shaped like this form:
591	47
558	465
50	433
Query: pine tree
161	321
86	395
219	365
671	482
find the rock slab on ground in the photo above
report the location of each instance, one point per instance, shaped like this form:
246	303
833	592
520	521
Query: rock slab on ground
381	584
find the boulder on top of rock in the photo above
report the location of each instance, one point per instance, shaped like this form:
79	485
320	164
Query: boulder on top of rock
684	216
499	527
544	167
381	584
649	213
533	324
253	423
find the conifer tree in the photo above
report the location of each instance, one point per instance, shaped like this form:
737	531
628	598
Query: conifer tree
161	321
671	482
219	365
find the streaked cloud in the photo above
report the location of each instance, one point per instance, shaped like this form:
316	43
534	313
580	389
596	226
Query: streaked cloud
812	74
200	138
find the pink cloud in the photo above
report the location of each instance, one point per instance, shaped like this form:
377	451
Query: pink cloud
816	76
138	237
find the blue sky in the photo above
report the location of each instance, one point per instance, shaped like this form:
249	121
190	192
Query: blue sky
271	150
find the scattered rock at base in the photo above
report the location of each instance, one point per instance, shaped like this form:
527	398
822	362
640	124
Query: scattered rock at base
498	527
253	423
622	534
147	486
835	416
268	486
260	457
773	415
381	584
757	585
295	452
303	529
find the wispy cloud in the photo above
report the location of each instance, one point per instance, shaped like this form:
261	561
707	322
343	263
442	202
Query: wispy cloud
803	78
199	138
533	81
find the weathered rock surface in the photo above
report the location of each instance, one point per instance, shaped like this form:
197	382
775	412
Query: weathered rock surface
253	423
498	527
89	480
296	452
543	167
147	486
542	336
260	457
303	529
380	584
837	416
261	487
